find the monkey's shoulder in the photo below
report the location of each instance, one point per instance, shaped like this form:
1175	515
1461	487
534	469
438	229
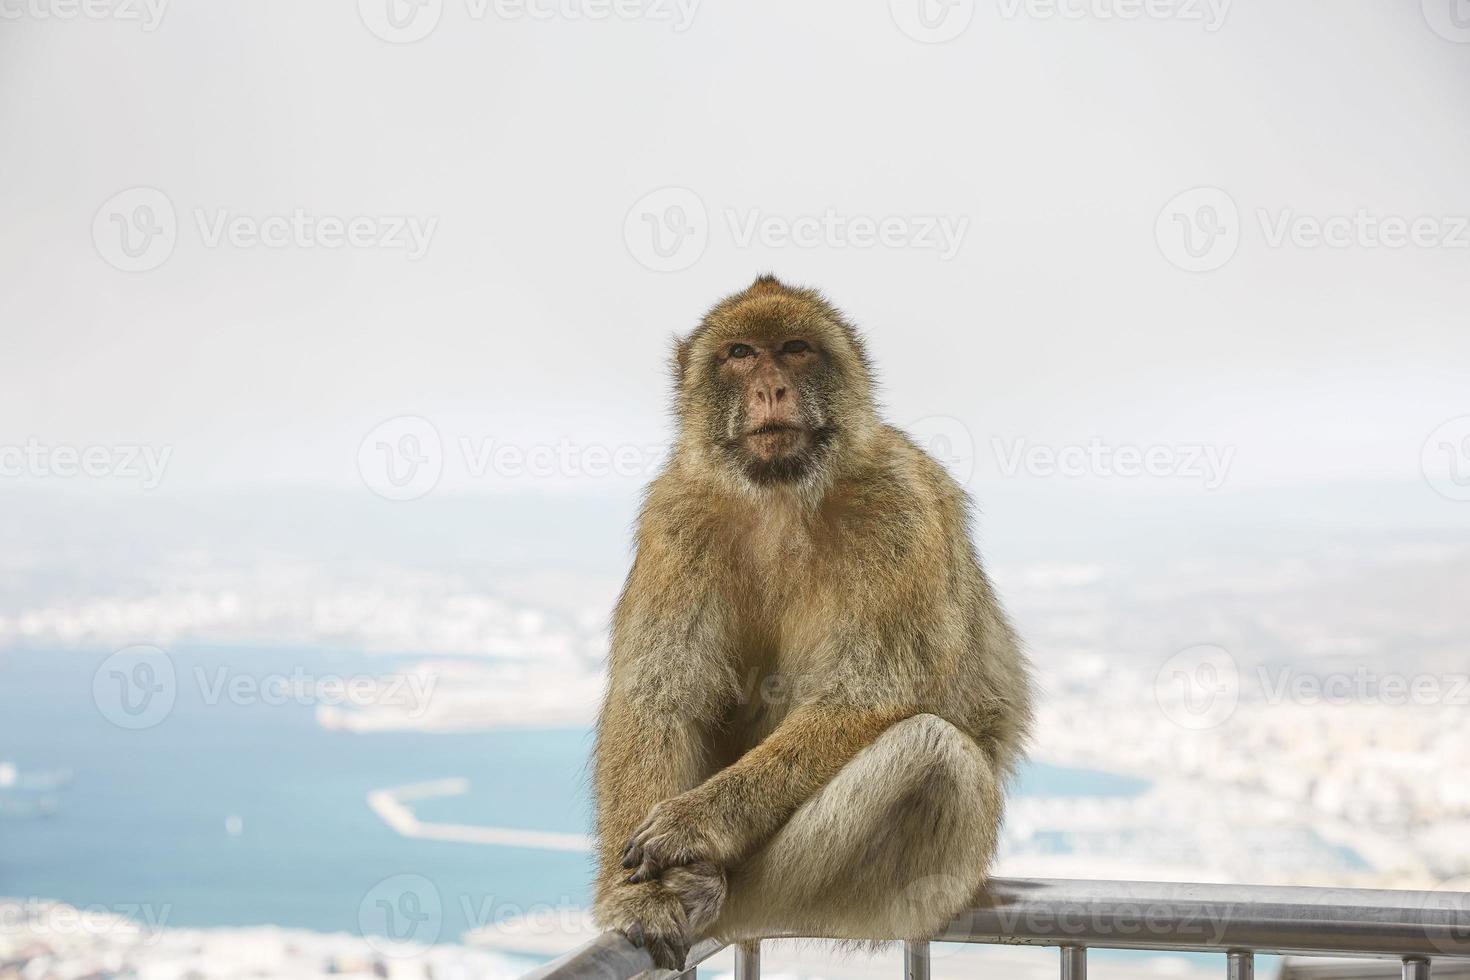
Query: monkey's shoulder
900	478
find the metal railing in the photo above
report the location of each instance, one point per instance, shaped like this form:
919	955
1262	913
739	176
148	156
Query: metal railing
1238	921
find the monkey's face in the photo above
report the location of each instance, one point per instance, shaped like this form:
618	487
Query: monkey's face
772	383
776	421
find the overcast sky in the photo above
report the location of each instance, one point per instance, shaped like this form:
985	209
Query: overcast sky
998	211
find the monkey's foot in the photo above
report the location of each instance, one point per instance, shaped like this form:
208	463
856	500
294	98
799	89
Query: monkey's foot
701	889
653	918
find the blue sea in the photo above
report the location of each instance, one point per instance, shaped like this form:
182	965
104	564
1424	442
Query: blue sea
238	814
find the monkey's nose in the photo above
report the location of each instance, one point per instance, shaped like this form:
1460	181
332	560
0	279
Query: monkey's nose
772	395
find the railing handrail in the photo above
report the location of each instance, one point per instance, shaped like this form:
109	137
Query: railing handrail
1077	914
1189	917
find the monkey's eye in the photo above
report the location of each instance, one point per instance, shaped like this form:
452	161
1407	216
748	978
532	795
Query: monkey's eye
795	347
741	350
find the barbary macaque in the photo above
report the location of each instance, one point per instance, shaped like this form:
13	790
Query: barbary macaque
815	700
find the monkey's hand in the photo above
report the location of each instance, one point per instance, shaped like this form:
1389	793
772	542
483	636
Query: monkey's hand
675	834
664	917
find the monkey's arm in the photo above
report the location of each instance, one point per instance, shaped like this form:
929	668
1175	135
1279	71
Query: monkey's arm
739	808
669	679
642	759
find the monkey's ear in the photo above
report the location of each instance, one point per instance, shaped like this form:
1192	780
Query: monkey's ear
681	358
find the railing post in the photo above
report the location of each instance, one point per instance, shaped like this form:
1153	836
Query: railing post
748	960
916	961
1416	968
1242	965
1074	963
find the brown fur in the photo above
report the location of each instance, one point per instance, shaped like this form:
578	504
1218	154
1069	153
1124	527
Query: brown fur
815	699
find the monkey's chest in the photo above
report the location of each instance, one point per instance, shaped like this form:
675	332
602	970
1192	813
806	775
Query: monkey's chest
771	681
759	711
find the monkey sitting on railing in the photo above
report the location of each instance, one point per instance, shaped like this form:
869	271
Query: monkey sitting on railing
815	700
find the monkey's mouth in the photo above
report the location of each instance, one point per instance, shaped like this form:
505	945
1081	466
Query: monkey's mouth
771	428
776	440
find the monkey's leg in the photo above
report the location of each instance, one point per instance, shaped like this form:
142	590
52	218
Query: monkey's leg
892	847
